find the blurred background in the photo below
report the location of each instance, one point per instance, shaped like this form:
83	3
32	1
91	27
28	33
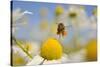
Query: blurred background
34	22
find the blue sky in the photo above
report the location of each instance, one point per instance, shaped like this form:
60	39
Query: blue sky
36	6
35	18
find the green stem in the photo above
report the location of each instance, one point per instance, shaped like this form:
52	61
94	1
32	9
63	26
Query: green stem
42	62
19	44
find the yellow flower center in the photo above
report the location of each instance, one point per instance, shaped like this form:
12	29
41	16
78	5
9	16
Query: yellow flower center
28	47
51	49
17	60
94	12
43	25
72	15
92	50
59	10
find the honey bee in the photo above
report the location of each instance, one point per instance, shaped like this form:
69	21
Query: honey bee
61	30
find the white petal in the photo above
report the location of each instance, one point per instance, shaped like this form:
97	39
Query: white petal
36	60
64	58
51	62
19	51
35	48
27	12
78	56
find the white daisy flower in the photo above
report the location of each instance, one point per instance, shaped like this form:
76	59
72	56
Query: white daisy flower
80	23
31	47
19	18
37	60
93	27
78	56
18	13
93	19
78	17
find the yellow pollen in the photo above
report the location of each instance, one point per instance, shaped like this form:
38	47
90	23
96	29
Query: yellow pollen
51	49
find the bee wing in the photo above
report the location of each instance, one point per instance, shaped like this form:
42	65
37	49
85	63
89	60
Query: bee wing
68	26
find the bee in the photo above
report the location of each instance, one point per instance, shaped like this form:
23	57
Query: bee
61	30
